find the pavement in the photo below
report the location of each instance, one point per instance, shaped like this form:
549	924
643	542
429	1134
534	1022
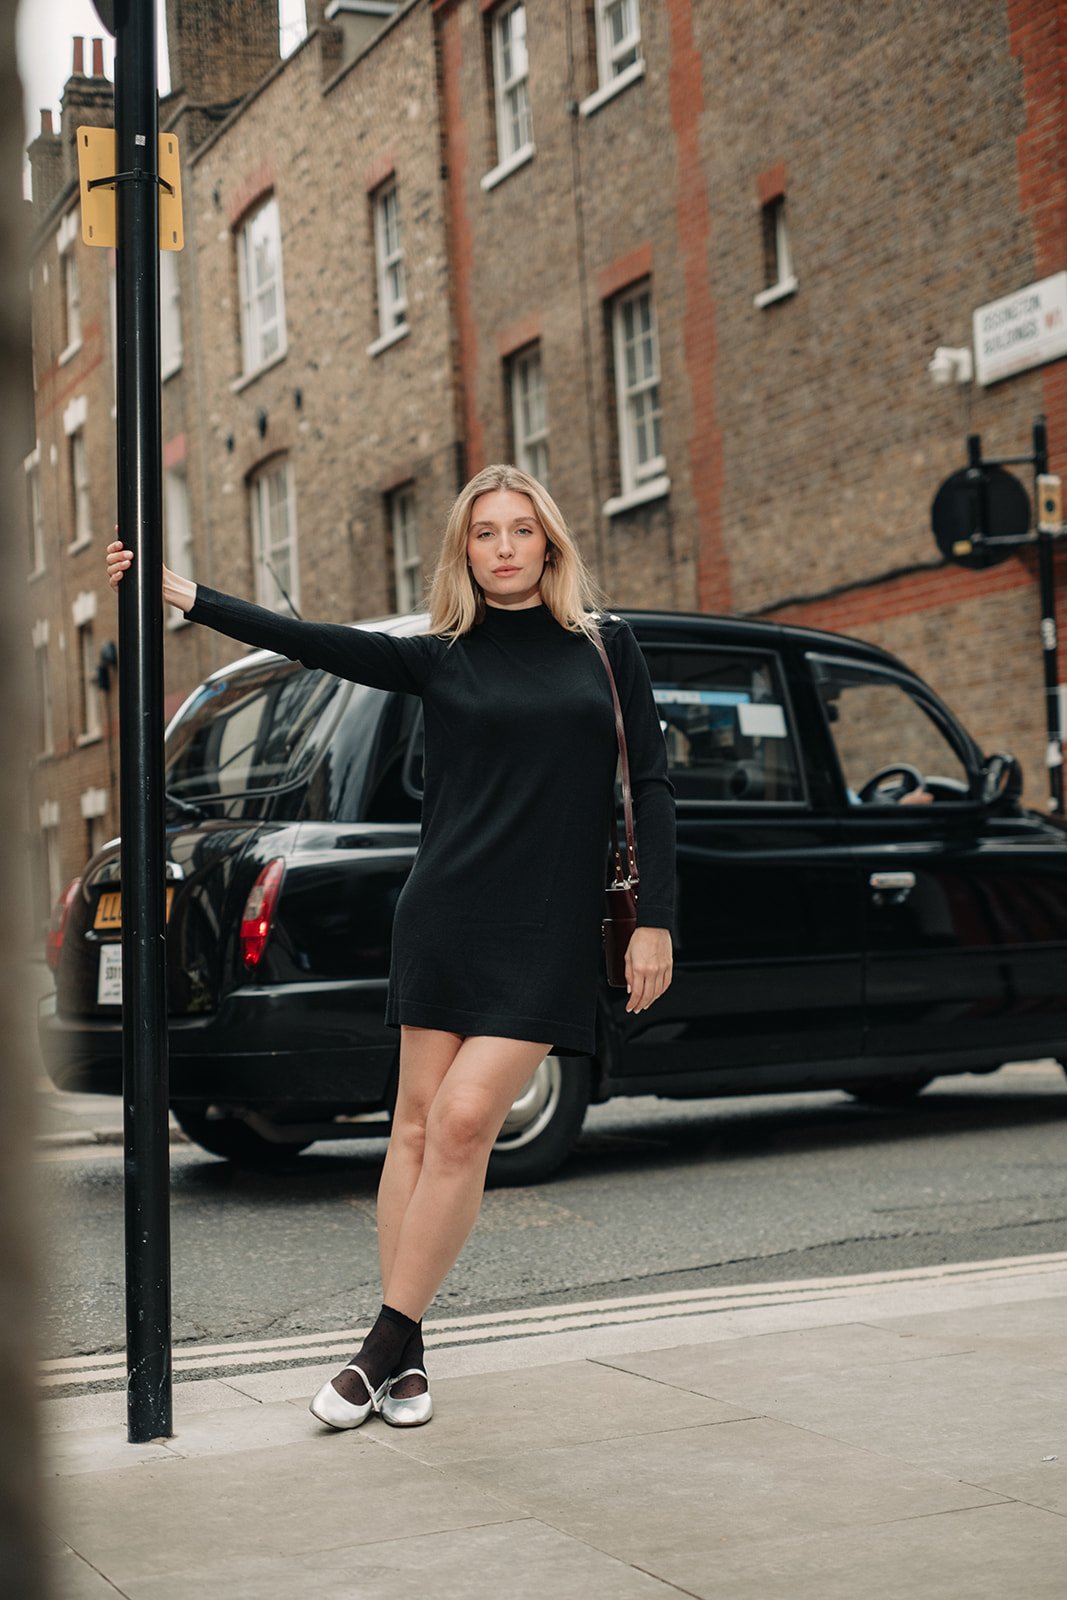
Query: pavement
892	1436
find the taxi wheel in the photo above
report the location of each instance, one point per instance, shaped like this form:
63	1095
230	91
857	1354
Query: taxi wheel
890	1094
541	1127
233	1139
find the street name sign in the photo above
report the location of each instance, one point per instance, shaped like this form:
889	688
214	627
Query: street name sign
1022	330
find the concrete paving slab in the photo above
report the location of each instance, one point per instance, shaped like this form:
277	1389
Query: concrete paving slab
109	1409
247	1427
97	1450
968	1415
296	1384
252	1504
697	1490
253	1428
524	1560
71	1578
716	1369
1034	1332
1000	1552
1024	1318
575	1402
1044	1486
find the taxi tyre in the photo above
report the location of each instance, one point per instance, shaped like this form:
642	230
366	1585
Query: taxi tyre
233	1139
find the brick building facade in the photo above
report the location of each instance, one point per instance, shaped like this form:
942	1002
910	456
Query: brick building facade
687	260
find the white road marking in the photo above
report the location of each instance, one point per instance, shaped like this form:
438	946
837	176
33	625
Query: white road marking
448	1332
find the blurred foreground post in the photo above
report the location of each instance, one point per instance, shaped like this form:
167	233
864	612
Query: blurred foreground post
21	1559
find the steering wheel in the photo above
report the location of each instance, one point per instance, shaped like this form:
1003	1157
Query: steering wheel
913	779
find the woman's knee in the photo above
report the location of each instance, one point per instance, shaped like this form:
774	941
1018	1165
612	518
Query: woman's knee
458	1129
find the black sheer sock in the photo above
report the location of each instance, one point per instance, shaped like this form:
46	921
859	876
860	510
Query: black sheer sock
378	1355
413	1355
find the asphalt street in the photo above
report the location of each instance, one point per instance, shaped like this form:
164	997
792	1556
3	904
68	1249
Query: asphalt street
658	1196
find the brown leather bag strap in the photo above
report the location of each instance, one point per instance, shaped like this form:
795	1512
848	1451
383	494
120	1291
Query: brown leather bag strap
631	874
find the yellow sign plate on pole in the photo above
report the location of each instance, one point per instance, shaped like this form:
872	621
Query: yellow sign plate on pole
97	159
171	231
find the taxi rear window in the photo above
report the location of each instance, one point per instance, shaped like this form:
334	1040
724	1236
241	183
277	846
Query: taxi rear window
255	731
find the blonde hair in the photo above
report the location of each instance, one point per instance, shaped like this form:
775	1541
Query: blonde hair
568	588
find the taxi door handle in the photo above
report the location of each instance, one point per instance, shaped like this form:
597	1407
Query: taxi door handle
891	888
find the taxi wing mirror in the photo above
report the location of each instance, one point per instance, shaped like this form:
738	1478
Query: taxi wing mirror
1000	779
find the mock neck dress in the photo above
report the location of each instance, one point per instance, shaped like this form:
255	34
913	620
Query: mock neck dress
497	929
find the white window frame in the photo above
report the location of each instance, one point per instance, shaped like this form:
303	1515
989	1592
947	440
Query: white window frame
48	817
407	557
74	419
170	315
93	805
513	148
66	243
638	480
531	440
256	329
177	532
267	592
83	616
34	493
44	689
785	282
612	77
389	259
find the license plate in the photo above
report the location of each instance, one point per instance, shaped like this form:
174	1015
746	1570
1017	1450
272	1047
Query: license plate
108	918
109	982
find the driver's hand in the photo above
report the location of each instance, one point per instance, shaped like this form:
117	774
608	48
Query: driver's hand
917	797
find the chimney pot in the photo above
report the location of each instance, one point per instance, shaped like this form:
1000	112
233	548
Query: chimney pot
78	69
98	58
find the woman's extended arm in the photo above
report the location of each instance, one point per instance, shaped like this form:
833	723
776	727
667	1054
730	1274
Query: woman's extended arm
364	655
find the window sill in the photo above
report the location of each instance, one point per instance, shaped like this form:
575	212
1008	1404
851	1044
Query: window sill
608	91
175	623
69	353
388	339
777	291
85	739
247	378
79	544
504	169
34	577
654	489
168	372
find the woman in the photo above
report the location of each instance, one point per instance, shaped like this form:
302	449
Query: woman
496	946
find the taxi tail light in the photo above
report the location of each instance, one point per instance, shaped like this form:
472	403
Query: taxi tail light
258	914
57	927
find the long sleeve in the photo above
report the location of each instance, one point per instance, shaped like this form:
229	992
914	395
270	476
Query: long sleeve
654	812
364	655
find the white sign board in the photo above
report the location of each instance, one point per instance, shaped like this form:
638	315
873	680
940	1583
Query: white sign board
1023	330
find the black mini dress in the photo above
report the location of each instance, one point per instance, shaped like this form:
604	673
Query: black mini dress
497	928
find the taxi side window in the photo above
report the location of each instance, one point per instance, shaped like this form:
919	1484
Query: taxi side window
727	725
880	723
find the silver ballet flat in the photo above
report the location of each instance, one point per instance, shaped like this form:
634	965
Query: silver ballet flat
409	1413
337	1412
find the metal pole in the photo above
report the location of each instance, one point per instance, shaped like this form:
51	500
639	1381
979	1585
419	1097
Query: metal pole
140	499
1049	644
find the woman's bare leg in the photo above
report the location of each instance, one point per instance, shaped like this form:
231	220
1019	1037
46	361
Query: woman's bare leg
425	1056
464	1119
445	1149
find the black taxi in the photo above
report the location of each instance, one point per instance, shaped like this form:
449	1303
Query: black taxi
862	901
